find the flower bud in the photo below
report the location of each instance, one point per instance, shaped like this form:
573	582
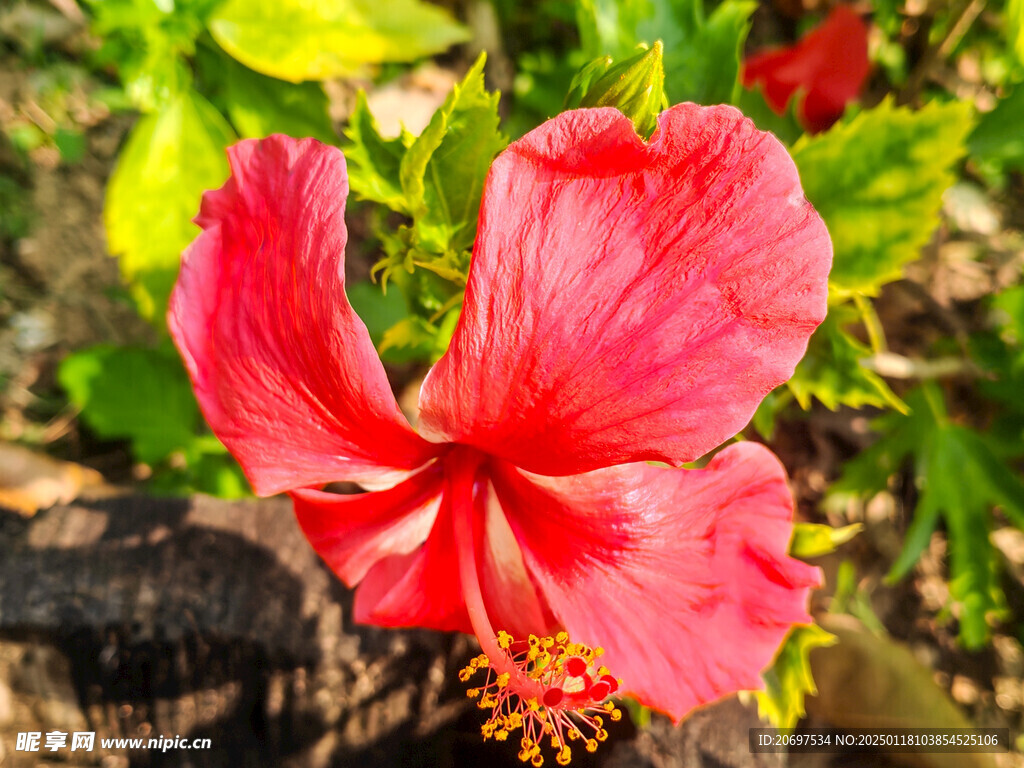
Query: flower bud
635	86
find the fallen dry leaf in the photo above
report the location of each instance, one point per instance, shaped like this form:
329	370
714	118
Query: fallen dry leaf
32	481
867	681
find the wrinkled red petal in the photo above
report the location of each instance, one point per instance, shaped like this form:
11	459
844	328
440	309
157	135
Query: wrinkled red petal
425	590
282	367
352	533
680	575
421	589
629	301
830	65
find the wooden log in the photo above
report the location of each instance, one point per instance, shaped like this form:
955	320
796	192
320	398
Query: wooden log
137	617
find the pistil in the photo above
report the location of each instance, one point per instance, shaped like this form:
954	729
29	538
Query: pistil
547	686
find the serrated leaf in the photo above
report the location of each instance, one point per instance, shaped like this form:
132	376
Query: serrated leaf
442	173
832	373
298	40
170	159
960	480
702	53
877	181
813	540
142	395
259	106
374	162
788	680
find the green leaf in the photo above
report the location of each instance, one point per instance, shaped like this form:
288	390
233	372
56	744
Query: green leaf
813	540
142	395
768	411
702	53
208	468
374	162
786	128
378	310
170	159
149	43
997	139
414	339
788	680
831	369
411	339
959	479
298	40
442	174
1015	29
877	180
259	106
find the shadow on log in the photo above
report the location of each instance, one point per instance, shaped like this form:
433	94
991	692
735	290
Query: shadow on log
141	618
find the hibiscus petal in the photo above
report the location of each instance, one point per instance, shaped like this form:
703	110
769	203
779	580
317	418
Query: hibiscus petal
425	589
629	301
830	65
283	368
680	575
352	533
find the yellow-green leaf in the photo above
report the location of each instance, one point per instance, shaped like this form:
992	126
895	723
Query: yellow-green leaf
814	540
299	40
878	180
788	680
170	159
831	370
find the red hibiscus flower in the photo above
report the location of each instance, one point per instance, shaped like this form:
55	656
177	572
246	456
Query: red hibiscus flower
829	66
627	302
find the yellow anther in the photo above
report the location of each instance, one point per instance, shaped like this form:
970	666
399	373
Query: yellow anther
527	693
599	651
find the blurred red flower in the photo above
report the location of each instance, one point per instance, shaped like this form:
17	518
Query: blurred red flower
627	302
828	67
